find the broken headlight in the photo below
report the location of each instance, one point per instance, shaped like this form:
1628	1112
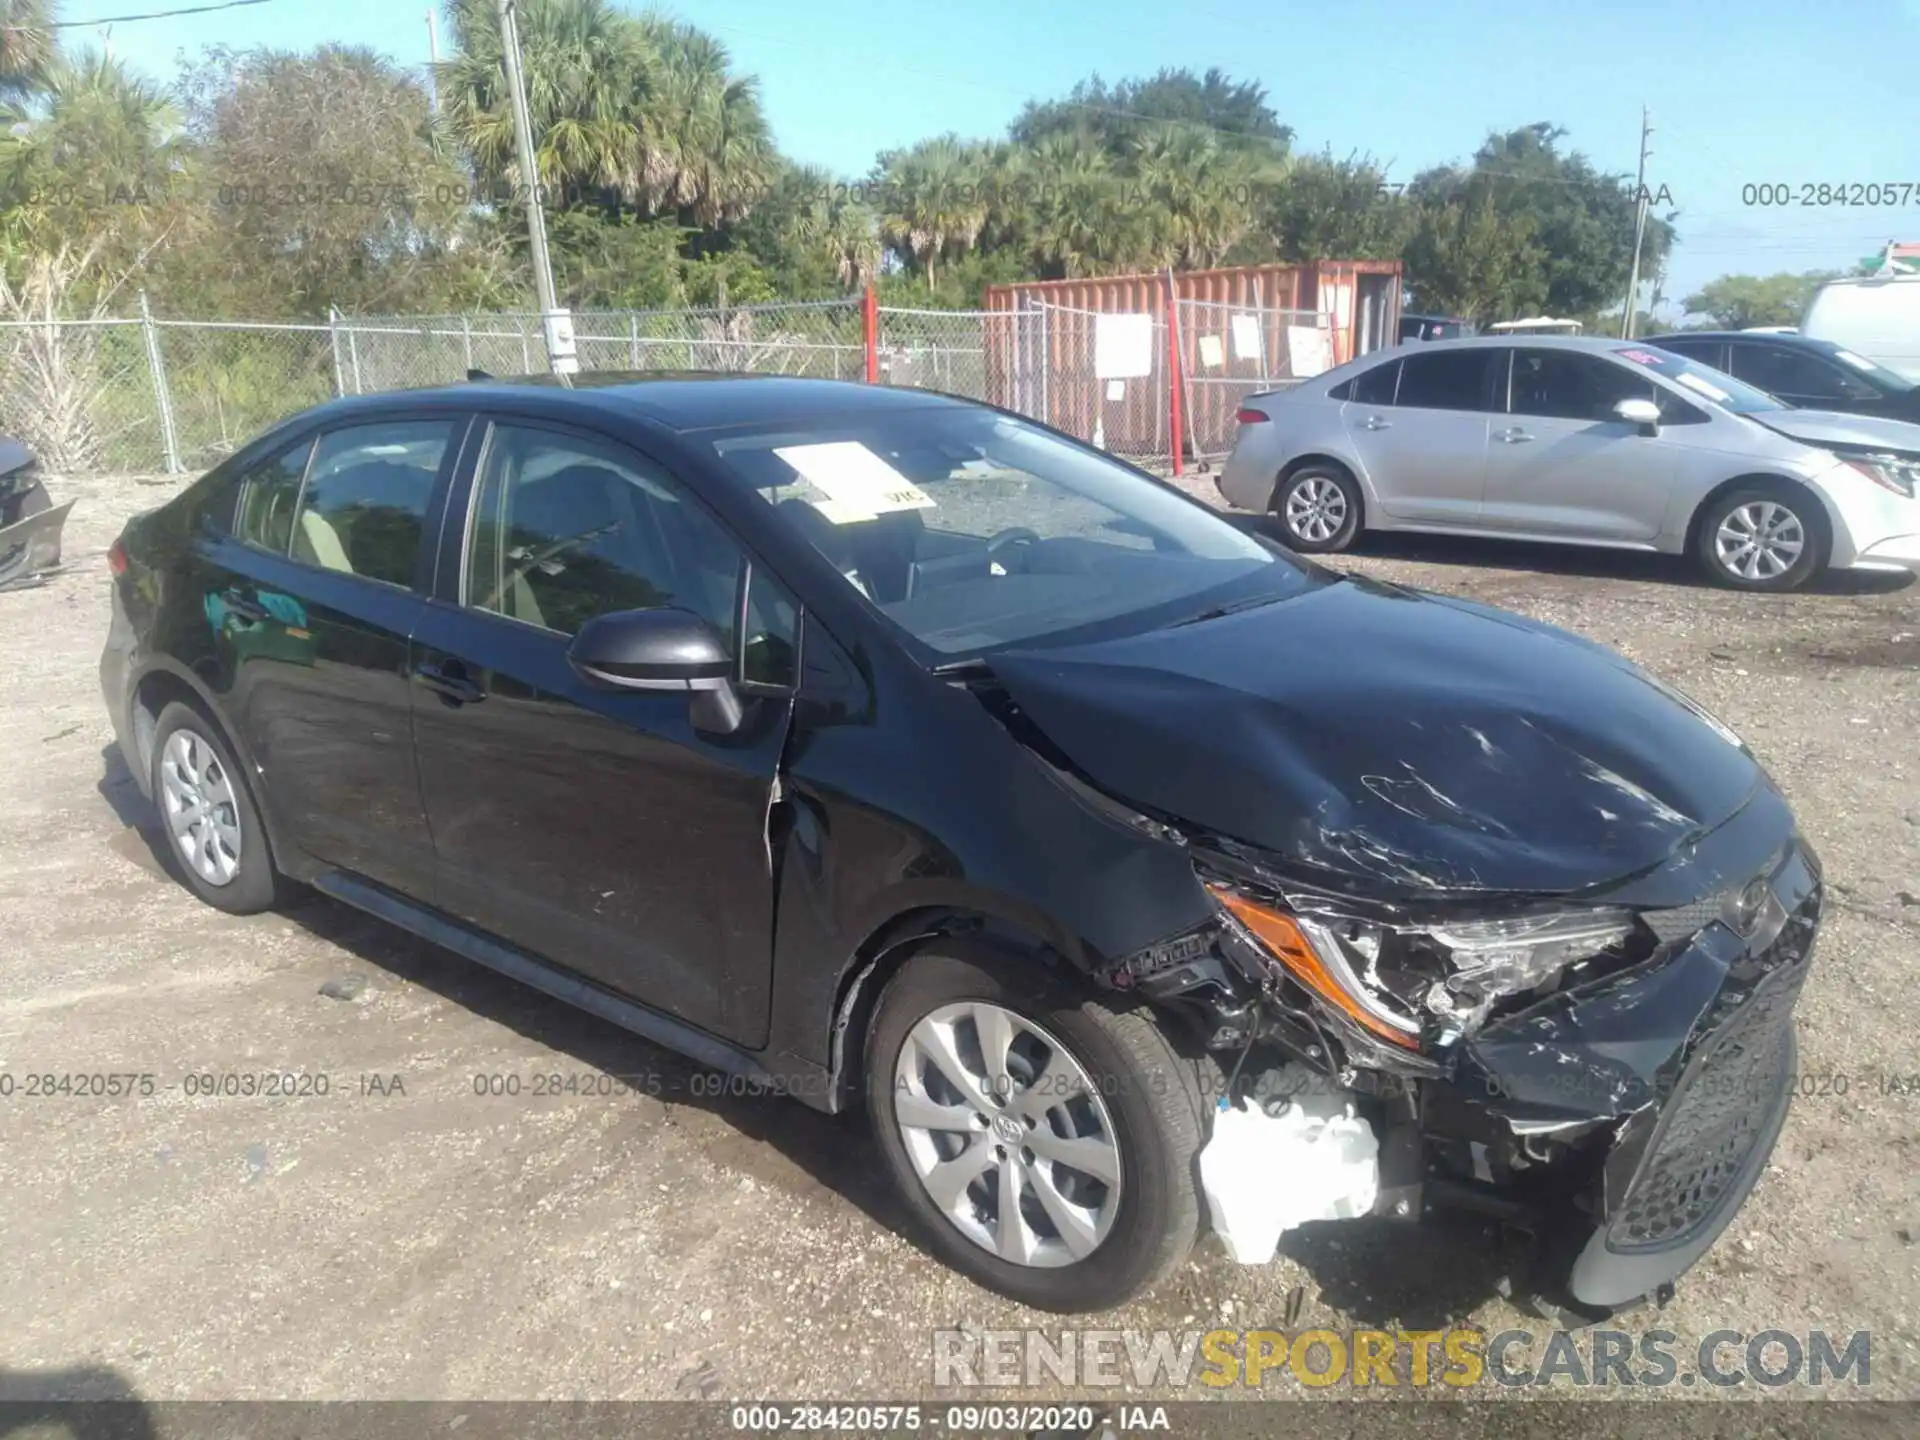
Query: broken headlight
1396	981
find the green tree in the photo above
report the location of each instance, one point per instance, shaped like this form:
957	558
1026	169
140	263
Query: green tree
28	47
1118	117
1735	302
1327	207
705	149
934	200
1198	193
1467	257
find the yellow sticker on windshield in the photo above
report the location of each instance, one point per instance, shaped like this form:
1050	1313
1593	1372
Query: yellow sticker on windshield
859	485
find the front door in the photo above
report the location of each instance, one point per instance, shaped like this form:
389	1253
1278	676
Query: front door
1562	463
310	603
1424	448
601	831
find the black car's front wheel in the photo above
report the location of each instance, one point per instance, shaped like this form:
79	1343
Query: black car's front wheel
208	813
1044	1140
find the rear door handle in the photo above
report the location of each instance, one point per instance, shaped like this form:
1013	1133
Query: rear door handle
449	681
245	607
1513	437
1377	422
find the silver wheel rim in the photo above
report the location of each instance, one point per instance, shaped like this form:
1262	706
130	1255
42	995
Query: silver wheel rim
196	797
1759	540
1008	1134
1316	509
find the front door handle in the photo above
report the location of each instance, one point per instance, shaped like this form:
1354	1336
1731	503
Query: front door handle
1515	436
449	681
1377	422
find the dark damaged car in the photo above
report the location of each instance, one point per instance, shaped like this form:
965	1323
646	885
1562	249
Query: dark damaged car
890	751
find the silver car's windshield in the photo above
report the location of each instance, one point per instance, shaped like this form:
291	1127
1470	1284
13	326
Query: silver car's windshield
972	530
1702	380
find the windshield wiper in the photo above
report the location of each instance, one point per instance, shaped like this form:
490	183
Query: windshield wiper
973	665
1221	610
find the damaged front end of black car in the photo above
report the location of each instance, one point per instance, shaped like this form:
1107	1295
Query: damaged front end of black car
1540	919
30	523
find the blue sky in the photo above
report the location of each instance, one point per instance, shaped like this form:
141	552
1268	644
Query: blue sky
1774	91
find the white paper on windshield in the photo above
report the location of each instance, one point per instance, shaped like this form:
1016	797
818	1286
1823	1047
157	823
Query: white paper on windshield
1705	387
1309	350
1859	362
1122	346
1246	337
1212	352
859	485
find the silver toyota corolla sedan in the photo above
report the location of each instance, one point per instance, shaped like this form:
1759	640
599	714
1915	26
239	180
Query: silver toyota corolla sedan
1581	441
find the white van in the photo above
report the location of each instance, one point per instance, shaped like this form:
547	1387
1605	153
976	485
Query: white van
1876	316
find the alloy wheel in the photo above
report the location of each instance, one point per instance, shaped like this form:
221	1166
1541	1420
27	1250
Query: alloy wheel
1759	540
197	800
1008	1133
1316	509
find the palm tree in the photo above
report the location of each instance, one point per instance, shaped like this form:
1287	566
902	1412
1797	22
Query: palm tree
588	69
1068	199
935	201
704	143
28	47
1201	194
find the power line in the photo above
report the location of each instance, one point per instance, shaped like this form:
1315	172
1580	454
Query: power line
130	19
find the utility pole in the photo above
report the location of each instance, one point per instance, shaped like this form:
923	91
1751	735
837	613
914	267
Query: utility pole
555	323
433	64
1639	228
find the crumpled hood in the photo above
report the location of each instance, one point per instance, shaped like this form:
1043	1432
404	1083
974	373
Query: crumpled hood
1826	428
1402	739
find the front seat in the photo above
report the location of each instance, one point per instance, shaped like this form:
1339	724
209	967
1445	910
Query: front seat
824	536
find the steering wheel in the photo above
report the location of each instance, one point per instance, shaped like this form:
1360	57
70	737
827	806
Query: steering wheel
1008	538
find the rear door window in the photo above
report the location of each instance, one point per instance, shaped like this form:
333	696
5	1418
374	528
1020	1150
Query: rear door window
364	505
1448	379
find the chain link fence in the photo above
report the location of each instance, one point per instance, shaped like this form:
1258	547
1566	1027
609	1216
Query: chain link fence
1228	352
178	395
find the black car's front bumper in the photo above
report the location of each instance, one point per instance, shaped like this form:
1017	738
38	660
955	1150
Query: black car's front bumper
1630	1119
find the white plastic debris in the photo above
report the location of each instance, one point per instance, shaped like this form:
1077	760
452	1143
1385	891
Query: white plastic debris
1312	1158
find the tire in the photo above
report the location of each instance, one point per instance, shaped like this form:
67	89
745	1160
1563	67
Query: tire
1139	1095
1791	515
1317	509
222	856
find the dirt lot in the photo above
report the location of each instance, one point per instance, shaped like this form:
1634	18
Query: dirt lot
401	1236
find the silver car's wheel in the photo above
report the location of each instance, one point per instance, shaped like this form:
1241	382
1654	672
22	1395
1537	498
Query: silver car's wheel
197	800
1759	540
1316	509
1008	1133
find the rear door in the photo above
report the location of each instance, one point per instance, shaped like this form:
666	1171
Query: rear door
310	603
1562	463
600	830
1424	444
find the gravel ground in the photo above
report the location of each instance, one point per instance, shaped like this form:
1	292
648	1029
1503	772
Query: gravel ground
401	1236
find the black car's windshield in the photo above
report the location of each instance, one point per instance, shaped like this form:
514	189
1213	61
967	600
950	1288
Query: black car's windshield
1891	381
1702	380
973	531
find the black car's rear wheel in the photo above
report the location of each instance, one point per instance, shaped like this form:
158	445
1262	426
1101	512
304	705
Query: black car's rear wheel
211	823
1045	1141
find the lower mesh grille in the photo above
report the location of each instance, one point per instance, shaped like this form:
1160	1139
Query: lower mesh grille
1719	1110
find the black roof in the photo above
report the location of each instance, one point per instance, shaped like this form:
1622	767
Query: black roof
693	400
1771	337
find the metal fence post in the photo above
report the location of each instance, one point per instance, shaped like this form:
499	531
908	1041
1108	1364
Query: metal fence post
163	402
333	335
466	343
353	357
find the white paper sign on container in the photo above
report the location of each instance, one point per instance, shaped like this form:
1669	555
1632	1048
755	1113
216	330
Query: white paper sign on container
1309	350
1246	338
1122	346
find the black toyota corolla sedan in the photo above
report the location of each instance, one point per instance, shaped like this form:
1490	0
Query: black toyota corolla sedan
889	750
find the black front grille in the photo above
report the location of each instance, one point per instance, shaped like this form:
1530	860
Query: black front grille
1723	1104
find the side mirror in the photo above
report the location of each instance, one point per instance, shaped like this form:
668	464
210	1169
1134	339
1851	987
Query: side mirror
1643	413
661	650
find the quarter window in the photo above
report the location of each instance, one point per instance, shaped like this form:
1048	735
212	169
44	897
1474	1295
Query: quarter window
1448	379
567	527
364	505
268	498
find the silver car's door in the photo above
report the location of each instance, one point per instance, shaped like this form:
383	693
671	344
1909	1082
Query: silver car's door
1424	448
1561	463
